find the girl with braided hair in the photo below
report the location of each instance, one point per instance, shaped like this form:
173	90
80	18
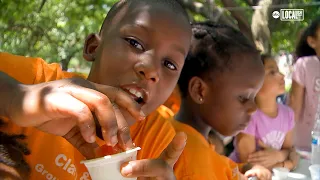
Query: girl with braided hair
219	81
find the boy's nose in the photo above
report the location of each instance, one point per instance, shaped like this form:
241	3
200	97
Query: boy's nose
147	70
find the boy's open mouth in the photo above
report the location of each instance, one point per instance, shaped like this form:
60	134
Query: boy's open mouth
137	93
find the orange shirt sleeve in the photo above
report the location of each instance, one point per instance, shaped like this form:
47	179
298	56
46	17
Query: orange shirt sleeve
23	69
29	70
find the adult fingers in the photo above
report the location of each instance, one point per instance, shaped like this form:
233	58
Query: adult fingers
172	153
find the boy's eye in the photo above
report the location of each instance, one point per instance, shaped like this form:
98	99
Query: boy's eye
134	43
170	65
243	99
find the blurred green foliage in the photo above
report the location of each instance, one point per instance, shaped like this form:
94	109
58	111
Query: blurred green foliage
55	32
285	34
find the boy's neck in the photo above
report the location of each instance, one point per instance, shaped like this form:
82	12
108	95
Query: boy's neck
268	105
187	115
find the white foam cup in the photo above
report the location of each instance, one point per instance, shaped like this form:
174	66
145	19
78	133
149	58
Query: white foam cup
108	167
280	172
315	171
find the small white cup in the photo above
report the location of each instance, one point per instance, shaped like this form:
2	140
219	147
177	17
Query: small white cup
315	171
280	172
108	167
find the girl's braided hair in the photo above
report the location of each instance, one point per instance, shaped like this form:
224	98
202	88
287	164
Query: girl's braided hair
214	47
12	151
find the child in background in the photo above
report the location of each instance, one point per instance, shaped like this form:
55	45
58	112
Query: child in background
305	90
136	61
218	83
12	162
268	139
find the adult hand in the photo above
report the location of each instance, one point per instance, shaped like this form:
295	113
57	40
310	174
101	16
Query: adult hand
260	172
157	169
266	157
71	107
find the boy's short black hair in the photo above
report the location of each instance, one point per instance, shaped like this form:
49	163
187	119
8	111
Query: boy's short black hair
212	47
12	152
173	5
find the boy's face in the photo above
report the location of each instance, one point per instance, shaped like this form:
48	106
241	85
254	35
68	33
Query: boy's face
142	51
230	102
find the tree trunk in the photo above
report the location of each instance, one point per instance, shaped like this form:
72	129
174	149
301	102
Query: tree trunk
260	27
262	22
65	63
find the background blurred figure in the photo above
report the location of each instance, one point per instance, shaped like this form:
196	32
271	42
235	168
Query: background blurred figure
268	138
305	91
285	64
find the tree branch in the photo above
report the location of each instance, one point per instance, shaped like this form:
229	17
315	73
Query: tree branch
249	2
34	29
42	4
216	15
243	23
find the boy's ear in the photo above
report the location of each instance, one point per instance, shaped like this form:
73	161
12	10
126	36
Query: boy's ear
90	46
311	42
197	88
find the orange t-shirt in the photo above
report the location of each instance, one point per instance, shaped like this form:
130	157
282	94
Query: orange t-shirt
52	157
199	161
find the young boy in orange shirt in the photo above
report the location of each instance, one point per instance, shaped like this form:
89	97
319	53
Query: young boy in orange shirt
220	79
136	60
